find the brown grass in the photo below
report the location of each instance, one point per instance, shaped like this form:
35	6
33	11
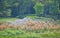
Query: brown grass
30	25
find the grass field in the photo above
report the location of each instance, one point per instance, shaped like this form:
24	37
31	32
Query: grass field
19	33
5	19
13	33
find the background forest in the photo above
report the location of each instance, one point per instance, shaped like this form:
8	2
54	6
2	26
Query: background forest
22	8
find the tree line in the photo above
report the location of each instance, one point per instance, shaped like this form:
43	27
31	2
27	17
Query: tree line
14	8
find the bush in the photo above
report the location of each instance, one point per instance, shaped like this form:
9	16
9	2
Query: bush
39	8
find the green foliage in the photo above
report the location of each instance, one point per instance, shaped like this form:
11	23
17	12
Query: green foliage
24	6
13	33
53	9
32	17
39	8
10	3
5	8
7	12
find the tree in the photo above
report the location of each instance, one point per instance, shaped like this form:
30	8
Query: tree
6	5
39	8
53	9
26	7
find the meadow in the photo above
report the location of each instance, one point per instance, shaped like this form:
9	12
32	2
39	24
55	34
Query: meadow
30	30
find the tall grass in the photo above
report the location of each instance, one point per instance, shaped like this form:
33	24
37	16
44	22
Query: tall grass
31	29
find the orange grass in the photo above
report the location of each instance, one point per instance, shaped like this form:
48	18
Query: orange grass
30	25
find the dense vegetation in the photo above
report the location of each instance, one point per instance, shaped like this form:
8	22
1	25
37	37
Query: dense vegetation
22	8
